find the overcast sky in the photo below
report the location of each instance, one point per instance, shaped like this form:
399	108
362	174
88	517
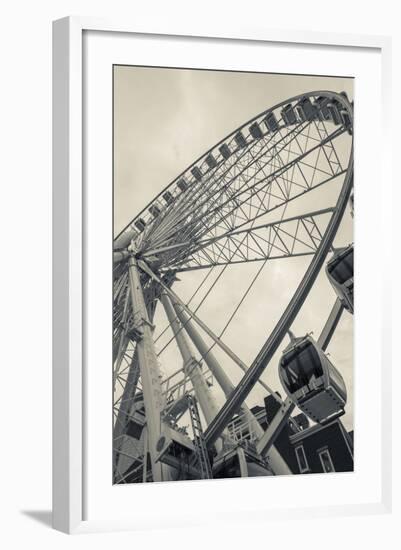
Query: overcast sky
164	120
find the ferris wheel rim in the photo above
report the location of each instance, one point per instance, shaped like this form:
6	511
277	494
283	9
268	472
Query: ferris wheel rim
324	93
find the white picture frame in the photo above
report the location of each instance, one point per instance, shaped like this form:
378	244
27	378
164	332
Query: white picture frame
70	428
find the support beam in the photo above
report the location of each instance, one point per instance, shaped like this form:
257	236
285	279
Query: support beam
204	350
204	327
276	462
276	425
279	239
126	404
331	325
160	250
150	374
192	367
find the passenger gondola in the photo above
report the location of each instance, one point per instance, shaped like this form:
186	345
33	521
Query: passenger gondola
225	151
240	140
140	224
196	172
255	131
288	115
168	197
154	210
321	106
306	110
211	161
334	108
271	122
182	184
346	120
340	271
312	381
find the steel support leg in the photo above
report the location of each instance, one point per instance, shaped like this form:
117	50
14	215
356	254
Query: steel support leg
123	342
331	324
125	408
191	367
276	462
150	374
204	327
276	425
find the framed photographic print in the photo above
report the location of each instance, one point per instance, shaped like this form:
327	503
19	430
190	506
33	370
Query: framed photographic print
209	345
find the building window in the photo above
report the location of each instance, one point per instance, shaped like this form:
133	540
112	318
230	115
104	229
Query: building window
301	458
325	459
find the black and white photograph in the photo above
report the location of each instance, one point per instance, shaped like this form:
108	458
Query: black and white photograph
184	185
233	274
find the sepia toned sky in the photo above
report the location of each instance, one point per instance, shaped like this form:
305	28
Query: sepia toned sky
164	119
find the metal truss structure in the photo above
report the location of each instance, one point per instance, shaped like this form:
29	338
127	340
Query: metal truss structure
243	201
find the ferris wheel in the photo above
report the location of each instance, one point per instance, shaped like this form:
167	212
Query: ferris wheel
276	188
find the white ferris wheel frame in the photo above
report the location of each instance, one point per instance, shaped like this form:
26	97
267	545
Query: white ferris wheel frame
83	497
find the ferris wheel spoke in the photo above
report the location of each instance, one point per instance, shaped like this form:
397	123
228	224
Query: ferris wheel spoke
296	236
248	177
227	172
131	367
322	131
196	190
299	165
268	349
220	253
268	190
237	173
257	213
253	191
243	177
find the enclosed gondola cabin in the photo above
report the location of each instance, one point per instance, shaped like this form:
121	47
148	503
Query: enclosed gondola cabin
334	108
288	115
271	122
140	224
240	140
340	271
321	107
182	184
255	131
346	120
225	151
168	197
312	381
306	110
211	161
196	172
154	210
